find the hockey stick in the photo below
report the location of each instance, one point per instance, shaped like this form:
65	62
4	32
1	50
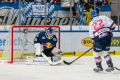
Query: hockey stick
23	44
68	63
50	62
117	68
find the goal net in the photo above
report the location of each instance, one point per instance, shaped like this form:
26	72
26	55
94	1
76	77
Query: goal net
20	41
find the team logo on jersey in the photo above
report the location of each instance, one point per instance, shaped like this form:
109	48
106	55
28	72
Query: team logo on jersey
43	37
54	39
87	42
48	45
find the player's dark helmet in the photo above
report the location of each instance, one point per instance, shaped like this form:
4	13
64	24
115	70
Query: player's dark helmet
50	30
94	13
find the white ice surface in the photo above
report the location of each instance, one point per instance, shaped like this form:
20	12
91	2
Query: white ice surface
82	69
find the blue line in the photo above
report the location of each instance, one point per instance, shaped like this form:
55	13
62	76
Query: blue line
74	31
60	31
3	31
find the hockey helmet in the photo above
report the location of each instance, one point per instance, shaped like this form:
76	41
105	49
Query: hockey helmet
94	13
50	30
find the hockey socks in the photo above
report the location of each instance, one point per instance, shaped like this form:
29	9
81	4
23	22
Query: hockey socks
108	60
98	61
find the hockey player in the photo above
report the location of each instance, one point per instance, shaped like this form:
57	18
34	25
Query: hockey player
100	31
46	42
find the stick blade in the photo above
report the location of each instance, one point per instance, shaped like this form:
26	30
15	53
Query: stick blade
56	63
66	62
117	68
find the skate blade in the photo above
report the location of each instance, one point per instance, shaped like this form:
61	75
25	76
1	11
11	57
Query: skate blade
112	72
101	72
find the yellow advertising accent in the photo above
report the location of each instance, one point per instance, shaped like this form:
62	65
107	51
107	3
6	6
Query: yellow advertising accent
87	16
87	42
69	53
115	41
17	54
1	55
25	54
90	53
78	53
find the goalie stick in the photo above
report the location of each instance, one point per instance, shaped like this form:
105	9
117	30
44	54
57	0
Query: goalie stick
50	62
68	63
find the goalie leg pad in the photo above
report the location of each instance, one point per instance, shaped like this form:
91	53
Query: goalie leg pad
39	48
55	59
40	60
37	61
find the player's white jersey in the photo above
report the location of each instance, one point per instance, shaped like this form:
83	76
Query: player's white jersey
99	26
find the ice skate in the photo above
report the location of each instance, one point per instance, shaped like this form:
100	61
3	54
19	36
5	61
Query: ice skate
97	69
109	69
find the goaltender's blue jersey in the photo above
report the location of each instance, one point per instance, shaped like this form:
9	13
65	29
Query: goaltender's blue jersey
43	39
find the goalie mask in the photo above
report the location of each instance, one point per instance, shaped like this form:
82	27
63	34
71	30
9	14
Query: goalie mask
50	32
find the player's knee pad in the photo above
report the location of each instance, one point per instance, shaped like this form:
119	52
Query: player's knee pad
96	54
105	53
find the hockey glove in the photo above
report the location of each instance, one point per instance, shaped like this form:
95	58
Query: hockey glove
111	34
56	51
92	40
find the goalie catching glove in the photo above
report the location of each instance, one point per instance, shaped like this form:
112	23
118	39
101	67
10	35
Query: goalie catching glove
57	51
39	48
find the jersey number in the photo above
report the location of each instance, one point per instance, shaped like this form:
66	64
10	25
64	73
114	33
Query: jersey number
98	22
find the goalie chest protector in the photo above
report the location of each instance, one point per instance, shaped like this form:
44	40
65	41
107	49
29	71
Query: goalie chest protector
43	39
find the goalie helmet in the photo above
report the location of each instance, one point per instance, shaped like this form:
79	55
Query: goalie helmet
94	13
50	30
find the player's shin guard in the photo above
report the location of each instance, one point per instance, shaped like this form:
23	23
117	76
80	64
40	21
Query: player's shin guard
109	63
108	60
98	61
98	64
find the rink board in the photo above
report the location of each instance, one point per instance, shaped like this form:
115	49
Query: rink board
71	53
73	43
